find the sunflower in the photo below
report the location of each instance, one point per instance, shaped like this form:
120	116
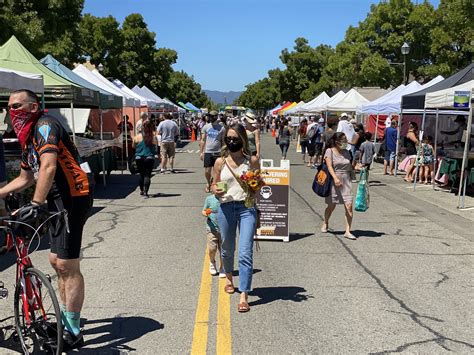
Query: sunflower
253	183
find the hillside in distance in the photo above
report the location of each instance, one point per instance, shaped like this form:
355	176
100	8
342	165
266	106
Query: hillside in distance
221	98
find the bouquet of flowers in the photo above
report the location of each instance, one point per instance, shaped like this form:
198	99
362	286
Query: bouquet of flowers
251	181
208	211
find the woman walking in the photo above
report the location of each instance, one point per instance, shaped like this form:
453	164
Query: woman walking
304	139
233	213
284	134
253	133
411	142
338	160
145	143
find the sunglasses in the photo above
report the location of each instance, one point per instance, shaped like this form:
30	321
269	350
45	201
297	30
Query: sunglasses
15	106
232	140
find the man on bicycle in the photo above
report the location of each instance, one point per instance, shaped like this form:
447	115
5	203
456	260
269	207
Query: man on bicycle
50	159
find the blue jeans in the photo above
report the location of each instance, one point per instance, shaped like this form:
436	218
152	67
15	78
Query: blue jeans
232	215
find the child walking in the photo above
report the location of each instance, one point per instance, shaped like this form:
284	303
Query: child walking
427	161
210	210
367	152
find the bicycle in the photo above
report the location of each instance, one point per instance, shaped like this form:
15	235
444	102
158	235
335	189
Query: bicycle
37	313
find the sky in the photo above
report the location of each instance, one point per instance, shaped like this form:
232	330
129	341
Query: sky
227	44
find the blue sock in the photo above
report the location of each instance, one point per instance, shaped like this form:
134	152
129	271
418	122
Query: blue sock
63	316
73	322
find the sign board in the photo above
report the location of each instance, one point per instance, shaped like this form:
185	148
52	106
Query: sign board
461	99
273	201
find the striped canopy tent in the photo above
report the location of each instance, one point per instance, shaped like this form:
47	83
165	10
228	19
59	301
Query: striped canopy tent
289	107
295	108
277	111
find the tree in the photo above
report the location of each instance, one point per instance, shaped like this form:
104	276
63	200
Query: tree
100	38
452	38
43	26
183	87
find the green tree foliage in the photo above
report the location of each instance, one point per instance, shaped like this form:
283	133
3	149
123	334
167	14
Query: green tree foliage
43	26
100	38
441	42
184	88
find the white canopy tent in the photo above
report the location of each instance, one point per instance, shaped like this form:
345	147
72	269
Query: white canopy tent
12	80
104	84
444	100
318	101
336	97
352	102
143	100
379	105
133	100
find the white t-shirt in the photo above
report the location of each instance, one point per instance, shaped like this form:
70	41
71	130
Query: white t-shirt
347	128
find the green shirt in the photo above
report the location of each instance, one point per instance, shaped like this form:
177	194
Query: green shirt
213	203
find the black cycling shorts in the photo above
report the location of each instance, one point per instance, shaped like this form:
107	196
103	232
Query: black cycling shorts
68	245
210	159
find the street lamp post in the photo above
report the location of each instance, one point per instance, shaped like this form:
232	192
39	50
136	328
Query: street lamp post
405	51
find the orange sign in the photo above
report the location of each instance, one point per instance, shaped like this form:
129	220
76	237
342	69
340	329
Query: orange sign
277	177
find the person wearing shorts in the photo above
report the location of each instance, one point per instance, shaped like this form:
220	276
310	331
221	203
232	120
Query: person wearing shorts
210	210
169	132
212	138
50	158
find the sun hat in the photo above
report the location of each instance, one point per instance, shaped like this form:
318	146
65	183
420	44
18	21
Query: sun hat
250	117
344	115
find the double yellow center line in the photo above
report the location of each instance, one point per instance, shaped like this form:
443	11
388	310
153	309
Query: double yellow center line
201	324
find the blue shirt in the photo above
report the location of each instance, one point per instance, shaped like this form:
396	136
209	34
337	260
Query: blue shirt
213	203
391	139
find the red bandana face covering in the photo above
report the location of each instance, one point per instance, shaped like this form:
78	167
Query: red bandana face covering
23	123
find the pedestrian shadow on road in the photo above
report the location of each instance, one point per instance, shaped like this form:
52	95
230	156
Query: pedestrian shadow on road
161	194
297	236
115	333
117	187
363	233
283	293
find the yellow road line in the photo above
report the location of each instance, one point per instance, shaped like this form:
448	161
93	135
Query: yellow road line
224	335
201	324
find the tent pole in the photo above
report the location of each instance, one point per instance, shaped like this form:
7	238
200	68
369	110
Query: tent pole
126	138
467	145
397	148
435	149
121	115
134	121
376	128
420	147
102	150
73	124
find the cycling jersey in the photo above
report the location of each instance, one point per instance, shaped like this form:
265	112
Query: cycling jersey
50	136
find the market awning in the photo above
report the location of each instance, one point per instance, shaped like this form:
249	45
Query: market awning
57	90
107	100
11	80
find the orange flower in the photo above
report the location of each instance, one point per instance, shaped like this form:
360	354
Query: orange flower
208	211
253	183
250	174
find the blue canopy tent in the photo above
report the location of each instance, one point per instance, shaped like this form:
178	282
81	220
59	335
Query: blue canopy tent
107	100
192	107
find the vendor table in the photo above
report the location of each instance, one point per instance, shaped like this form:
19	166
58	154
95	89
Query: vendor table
451	165
95	161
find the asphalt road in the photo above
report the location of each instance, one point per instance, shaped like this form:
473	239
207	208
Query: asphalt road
406	285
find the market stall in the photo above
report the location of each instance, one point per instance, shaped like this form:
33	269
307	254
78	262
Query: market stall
311	106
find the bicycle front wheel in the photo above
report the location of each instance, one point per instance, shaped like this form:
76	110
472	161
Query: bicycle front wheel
37	315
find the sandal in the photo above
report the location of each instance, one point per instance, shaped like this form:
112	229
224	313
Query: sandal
324	229
230	289
243	307
350	236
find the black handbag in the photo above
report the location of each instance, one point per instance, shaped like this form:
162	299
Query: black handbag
322	180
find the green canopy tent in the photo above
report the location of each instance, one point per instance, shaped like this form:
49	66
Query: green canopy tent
58	91
184	106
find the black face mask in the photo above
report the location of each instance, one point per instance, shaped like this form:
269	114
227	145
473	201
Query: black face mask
234	146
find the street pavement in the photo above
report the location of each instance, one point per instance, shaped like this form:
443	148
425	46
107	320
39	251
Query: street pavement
406	284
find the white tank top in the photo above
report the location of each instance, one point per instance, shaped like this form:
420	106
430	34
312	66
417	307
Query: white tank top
234	190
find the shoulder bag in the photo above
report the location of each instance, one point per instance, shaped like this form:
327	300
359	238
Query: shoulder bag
323	180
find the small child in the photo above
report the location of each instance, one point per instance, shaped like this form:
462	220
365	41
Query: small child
367	151
210	209
427	161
